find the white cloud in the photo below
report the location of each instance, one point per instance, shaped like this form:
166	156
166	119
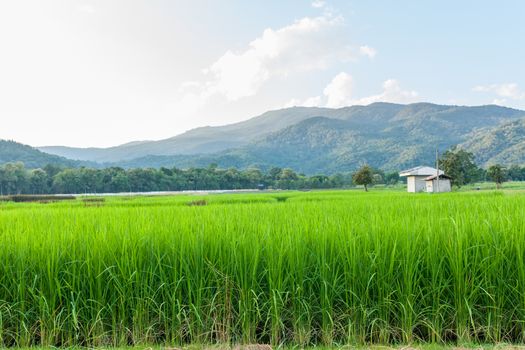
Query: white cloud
238	76
308	44
367	51
312	101
339	91
504	92
318	3
499	101
392	92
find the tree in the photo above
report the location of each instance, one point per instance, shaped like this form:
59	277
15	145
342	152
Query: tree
392	178
67	181
497	174
516	173
253	177
274	173
364	176
459	164
13	179
378	179
38	181
287	179
120	183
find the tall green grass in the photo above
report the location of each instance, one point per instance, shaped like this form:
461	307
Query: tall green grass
316	268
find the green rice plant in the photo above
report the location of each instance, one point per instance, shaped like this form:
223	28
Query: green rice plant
321	268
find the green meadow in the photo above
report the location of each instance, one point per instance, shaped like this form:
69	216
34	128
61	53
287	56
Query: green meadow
300	269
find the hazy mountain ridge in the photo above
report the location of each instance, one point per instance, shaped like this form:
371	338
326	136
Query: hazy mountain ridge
11	151
322	140
504	144
384	135
201	140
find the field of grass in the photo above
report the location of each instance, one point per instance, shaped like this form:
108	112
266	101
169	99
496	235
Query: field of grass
316	268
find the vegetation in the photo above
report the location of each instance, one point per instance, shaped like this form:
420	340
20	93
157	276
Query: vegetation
11	152
497	174
364	176
328	141
15	179
323	268
503	144
459	164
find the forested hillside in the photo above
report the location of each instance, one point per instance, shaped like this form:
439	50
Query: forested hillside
385	136
11	151
316	140
504	144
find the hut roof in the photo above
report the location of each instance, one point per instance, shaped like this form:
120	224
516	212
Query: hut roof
420	171
441	176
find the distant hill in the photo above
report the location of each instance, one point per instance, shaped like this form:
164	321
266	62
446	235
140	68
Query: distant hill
322	140
204	140
11	151
386	136
503	144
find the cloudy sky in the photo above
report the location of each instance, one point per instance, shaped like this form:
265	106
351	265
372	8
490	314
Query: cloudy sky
105	72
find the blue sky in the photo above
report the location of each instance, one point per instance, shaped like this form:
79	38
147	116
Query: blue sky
105	72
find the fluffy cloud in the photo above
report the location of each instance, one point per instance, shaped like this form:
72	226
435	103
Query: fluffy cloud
318	3
305	45
340	93
308	44
392	92
504	92
367	51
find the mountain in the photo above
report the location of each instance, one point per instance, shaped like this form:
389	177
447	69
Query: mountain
323	140
503	144
11	152
388	136
204	140
382	134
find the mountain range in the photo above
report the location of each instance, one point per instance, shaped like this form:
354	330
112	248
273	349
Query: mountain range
323	140
204	140
11	152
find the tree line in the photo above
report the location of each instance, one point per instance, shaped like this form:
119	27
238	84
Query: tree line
52	179
15	178
460	166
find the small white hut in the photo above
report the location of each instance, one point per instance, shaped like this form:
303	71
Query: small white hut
439	183
417	177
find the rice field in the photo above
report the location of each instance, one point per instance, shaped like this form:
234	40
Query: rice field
292	269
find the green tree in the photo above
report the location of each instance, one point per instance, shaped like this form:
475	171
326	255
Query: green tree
38	181
392	178
254	177
378	179
516	173
364	176
120	183
13	179
497	174
459	164
287	179
90	180
274	173
67	181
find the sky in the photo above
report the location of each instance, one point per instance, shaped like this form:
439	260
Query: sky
105	72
